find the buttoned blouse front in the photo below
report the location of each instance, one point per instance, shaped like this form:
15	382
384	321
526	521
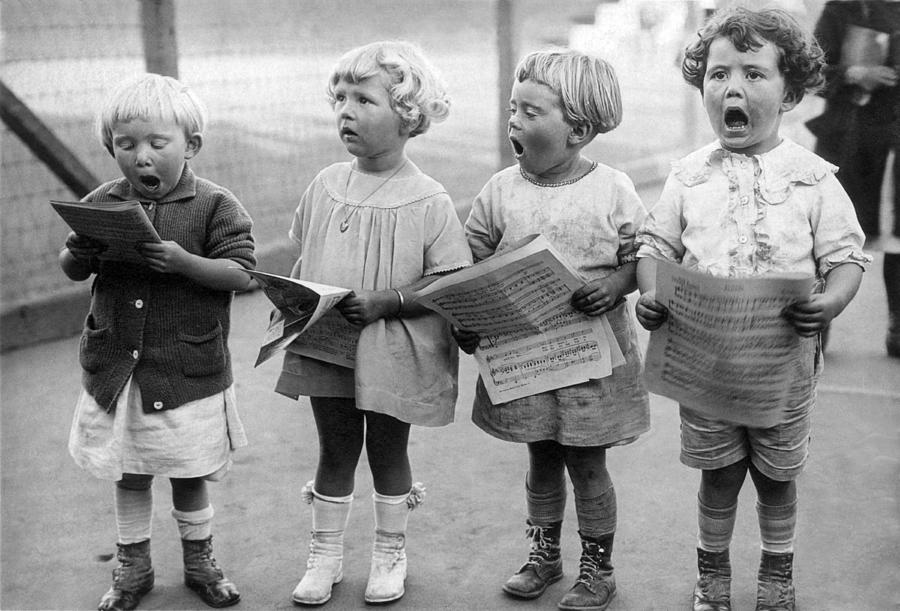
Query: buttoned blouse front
397	232
732	215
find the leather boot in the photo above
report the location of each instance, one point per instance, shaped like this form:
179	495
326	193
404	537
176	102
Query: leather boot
325	564
713	589
203	575
544	564
775	586
131	579
596	585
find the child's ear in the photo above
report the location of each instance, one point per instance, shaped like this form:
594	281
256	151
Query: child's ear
791	99
193	146
580	134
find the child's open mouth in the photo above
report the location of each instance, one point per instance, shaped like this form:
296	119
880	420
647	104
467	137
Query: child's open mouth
736	119
517	147
348	133
151	183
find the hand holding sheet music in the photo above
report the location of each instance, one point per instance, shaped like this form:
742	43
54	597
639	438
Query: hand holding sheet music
121	226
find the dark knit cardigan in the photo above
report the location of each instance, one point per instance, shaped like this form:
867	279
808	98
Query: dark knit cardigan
168	331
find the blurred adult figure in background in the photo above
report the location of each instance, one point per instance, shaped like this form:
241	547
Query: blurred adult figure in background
861	122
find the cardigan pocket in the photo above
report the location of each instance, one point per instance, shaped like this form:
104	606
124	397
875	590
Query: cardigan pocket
95	350
202	355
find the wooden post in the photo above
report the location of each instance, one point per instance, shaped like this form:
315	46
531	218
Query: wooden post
44	144
507	57
160	44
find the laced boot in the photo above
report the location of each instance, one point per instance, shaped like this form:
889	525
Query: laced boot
713	589
131	579
596	586
387	576
203	575
325	564
544	564
775	587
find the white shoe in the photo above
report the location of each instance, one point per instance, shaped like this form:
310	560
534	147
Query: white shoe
387	576
324	568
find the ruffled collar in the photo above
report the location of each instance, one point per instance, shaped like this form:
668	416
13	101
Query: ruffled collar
785	165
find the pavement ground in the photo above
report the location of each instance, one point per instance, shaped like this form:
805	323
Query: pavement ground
58	526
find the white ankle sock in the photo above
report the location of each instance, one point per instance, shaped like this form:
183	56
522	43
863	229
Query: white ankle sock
194	525
391	512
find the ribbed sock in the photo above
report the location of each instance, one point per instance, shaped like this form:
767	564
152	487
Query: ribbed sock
545	508
716	526
194	525
777	527
134	514
597	515
391	512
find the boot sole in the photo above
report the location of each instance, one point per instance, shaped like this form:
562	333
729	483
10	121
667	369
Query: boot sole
534	593
609	600
316	603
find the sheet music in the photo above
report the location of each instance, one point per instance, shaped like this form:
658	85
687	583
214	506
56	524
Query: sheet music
532	339
725	350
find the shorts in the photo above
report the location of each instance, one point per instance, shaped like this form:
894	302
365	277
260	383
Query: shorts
779	452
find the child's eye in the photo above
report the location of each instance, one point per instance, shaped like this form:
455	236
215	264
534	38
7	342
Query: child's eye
125	145
364	100
753	75
339	97
717	75
158	144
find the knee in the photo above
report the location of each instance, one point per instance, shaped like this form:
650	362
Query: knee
727	478
130	481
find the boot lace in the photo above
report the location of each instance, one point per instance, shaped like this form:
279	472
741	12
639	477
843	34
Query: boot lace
542	546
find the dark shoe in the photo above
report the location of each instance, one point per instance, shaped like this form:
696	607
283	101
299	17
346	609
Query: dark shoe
544	565
203	576
596	586
775	588
713	589
131	579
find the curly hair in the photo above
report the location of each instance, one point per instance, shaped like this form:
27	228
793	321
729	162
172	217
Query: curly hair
418	94
587	86
801	60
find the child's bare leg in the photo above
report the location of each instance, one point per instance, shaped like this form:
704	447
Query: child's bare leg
193	514
595	505
386	448
394	497
545	495
340	428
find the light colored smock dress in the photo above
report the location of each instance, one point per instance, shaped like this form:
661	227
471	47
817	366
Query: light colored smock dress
397	232
592	223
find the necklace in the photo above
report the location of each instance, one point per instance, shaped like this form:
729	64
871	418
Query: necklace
562	183
345	224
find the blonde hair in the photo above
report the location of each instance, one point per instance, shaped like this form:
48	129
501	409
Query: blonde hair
151	97
587	86
418	94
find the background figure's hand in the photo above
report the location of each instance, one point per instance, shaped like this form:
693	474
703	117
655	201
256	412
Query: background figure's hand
650	313
467	340
872	77
365	307
167	257
812	316
83	248
595	298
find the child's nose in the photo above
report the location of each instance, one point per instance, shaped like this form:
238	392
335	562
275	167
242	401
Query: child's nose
142	155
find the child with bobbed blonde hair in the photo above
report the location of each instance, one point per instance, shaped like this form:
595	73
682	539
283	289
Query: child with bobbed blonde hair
158	395
561	100
381	227
752	204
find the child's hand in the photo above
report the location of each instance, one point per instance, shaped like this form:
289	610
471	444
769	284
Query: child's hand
167	257
650	313
83	248
595	298
467	340
812	316
365	307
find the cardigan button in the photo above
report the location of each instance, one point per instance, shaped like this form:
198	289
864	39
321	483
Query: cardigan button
135	354
742	239
157	405
139	304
